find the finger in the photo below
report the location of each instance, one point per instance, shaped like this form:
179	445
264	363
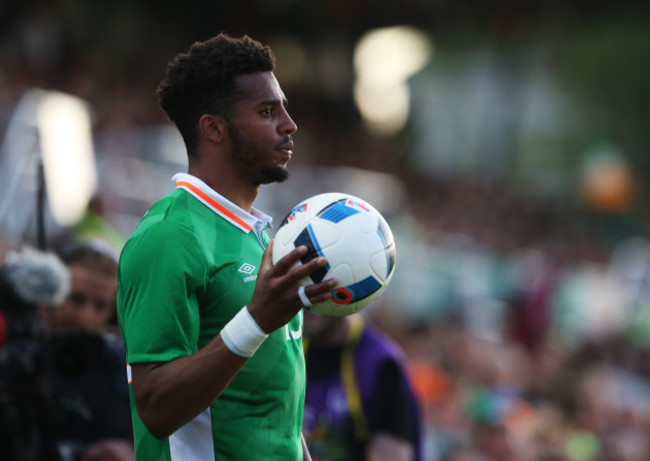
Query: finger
305	269
287	261
304	298
267	257
319	292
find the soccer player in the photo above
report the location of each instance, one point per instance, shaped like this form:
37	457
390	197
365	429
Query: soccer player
213	330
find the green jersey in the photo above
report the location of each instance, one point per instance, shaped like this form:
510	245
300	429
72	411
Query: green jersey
188	268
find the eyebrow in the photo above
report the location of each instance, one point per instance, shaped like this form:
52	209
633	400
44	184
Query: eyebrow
275	102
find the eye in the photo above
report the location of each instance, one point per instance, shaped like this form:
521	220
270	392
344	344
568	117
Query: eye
78	299
267	112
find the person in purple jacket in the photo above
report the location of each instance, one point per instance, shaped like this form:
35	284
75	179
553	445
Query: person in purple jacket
360	404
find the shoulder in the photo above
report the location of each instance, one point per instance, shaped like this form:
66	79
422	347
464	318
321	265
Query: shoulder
160	241
170	219
175	209
156	237
376	343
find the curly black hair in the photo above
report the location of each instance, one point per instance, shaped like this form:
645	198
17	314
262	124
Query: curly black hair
202	80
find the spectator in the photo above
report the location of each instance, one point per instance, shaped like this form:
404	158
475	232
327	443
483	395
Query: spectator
91	361
90	304
359	403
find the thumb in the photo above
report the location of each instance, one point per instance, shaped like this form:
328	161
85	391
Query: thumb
267	257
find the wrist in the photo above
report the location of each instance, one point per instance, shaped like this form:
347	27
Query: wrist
242	335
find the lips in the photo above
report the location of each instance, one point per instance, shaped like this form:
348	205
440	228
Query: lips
286	146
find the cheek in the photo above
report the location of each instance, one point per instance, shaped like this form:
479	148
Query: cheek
64	311
106	314
259	135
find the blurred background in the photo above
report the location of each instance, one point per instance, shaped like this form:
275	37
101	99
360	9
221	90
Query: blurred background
505	142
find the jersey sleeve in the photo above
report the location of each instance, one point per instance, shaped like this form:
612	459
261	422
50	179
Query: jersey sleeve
159	282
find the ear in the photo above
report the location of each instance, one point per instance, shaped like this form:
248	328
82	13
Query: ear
212	127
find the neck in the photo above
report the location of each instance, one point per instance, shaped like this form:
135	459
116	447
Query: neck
229	186
334	335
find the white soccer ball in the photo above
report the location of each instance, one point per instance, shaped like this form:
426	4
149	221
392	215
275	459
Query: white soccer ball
354	238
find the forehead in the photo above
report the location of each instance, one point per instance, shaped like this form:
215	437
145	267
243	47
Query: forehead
259	87
83	276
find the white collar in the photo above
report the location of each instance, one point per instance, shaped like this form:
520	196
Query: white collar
221	205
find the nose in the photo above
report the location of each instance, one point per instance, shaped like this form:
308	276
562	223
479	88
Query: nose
288	126
86	316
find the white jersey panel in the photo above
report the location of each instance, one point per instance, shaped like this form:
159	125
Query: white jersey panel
193	441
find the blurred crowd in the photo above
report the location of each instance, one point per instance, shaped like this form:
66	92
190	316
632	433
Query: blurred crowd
526	329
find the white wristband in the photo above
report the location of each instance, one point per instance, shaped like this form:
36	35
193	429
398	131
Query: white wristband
242	335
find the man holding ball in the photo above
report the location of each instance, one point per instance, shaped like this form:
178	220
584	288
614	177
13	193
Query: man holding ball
213	330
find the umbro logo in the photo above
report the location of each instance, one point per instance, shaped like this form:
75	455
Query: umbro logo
247	268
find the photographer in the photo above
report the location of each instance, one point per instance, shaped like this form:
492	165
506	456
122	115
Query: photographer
75	406
30	282
85	320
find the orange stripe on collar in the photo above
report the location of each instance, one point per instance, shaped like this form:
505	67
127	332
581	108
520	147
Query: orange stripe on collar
216	205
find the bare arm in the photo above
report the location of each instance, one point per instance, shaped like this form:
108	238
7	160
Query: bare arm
169	394
384	447
109	450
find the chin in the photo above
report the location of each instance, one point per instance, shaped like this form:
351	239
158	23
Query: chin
274	174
